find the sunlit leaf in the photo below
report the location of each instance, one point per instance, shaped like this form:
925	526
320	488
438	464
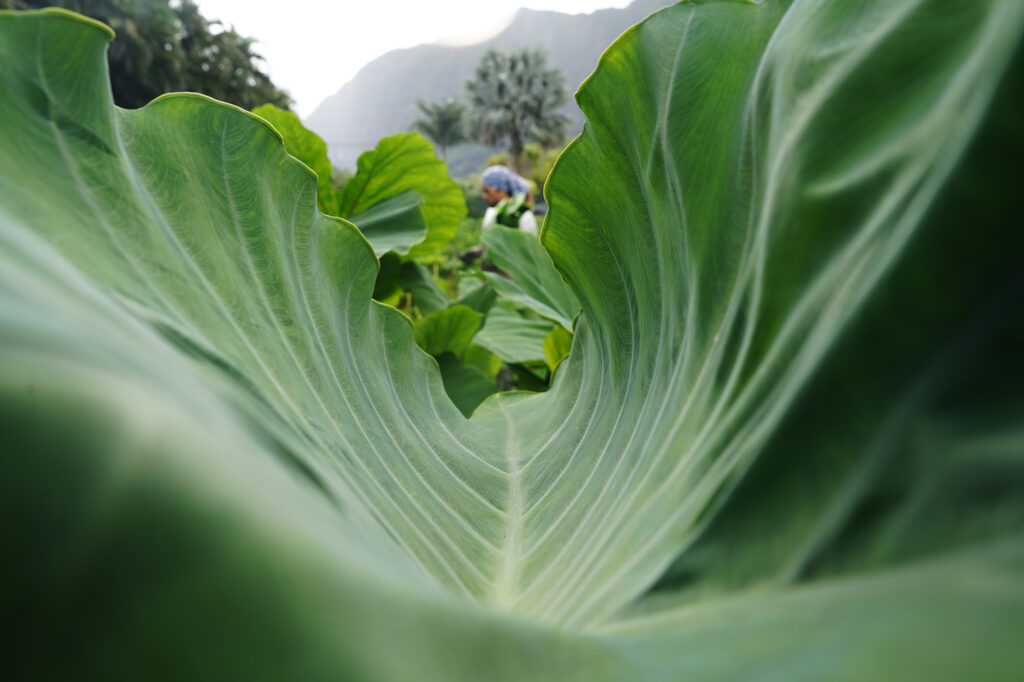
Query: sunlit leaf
449	330
398	164
388	203
483	359
557	346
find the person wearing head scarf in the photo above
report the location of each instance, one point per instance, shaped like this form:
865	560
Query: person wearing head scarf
508	198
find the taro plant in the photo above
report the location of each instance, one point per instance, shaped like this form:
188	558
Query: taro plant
400	198
786	442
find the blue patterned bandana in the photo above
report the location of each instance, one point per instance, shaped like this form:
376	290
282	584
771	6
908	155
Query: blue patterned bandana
501	178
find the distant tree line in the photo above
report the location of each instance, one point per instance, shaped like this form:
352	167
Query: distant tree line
512	99
169	46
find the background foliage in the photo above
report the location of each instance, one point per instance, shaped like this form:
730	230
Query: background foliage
514	98
381	99
169	46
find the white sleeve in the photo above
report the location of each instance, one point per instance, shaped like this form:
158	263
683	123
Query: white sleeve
528	223
490	219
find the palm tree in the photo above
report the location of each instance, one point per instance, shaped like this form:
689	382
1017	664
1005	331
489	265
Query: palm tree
514	96
442	122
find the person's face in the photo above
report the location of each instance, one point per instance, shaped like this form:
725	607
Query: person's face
492	196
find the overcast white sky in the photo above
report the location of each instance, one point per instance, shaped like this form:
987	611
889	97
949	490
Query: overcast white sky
313	47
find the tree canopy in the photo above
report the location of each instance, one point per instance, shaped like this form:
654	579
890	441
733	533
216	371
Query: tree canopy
514	97
442	122
169	46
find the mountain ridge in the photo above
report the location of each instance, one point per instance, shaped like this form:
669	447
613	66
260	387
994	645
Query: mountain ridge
388	87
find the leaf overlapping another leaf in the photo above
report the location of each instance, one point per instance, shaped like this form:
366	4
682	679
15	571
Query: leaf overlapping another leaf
404	164
401	199
785	440
534	281
307	147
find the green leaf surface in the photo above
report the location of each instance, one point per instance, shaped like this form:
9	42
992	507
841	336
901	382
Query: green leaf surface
465	383
427	296
786	443
448	331
398	164
483	359
393	224
557	346
387	285
513	337
476	293
535	283
307	147
810	333
389	208
510	290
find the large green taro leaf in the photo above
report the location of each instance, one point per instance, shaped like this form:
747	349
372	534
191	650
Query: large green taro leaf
397	167
448	330
786	443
